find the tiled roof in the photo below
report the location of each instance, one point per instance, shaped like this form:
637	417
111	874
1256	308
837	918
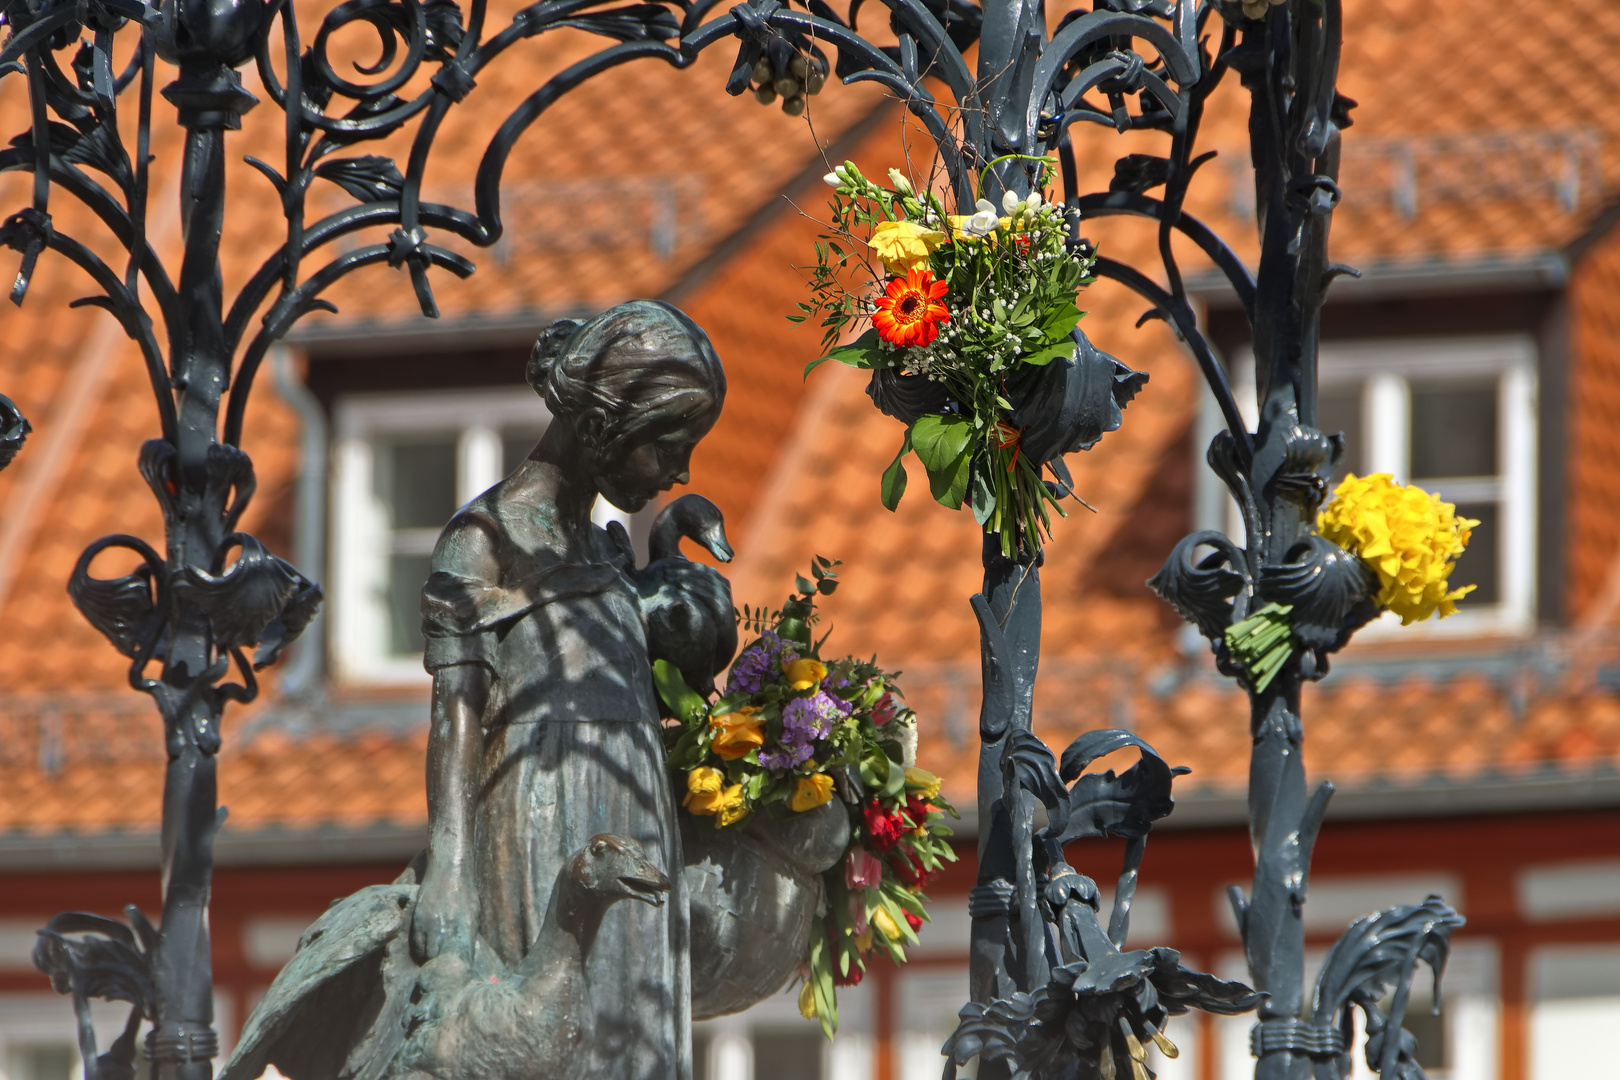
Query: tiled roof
795	465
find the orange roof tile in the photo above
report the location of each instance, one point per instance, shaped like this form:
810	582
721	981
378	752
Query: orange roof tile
795	465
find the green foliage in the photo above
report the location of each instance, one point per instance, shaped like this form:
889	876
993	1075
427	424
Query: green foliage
1011	288
856	762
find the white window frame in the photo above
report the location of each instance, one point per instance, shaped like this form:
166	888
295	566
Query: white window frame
33	1018
359	533
1384	366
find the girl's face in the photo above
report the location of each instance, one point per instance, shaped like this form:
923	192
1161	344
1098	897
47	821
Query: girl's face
632	474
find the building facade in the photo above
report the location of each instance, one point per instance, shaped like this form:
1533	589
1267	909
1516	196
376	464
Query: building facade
1478	354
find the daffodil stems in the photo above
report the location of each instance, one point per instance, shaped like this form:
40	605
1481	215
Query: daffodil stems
1262	643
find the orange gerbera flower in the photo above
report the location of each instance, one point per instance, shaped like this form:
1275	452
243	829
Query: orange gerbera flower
909	312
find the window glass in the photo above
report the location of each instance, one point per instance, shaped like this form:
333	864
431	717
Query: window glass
1428	1029
416	481
515	446
788	1053
1479	565
39	1061
407	573
416	478
1338	409
1454	429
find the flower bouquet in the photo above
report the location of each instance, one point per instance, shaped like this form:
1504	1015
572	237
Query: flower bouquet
791	733
973	343
1405	542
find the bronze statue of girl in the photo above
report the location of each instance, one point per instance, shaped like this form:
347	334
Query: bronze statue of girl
545	731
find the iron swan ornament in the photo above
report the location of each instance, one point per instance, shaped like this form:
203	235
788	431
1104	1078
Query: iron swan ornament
690	619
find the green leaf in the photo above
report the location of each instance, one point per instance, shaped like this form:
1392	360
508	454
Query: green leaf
821	979
1061	351
899	917
687	752
683	701
863	352
984	497
943	444
940	440
1060	321
875	772
894	477
894	784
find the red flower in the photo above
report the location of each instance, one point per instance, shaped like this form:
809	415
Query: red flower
885	709
856	972
909	870
917	809
909	312
883	828
913	921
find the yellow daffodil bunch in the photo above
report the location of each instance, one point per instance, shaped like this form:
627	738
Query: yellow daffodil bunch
1409	537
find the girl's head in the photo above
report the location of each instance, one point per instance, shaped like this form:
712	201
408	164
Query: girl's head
640	384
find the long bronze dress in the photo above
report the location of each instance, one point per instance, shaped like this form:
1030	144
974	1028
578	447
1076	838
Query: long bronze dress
572	748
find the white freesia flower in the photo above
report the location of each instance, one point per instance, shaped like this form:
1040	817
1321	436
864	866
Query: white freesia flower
984	219
1033	203
832	179
1010	202
901	184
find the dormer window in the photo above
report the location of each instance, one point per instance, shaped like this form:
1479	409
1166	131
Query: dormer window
1456	416
403	464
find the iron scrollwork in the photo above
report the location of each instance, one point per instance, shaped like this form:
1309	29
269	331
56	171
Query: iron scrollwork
1038	963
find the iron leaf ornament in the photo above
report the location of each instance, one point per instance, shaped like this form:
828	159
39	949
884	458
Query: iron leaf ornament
1053	991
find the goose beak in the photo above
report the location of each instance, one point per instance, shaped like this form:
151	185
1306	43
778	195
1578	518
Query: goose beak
648	884
717	544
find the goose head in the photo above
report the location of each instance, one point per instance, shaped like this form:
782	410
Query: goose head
695	518
612	868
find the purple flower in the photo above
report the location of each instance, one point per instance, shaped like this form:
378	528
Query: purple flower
811	717
788	756
758	662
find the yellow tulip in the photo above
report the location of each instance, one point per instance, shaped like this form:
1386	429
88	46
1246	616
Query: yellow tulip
904	245
863	940
805	674
807	1001
925	782
810	792
886	924
735	734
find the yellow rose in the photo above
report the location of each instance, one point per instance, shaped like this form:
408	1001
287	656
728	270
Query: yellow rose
735	734
903	245
810	792
732	807
806	673
884	922
923	781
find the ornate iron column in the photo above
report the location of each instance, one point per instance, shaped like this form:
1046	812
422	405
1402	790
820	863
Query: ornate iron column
192	611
